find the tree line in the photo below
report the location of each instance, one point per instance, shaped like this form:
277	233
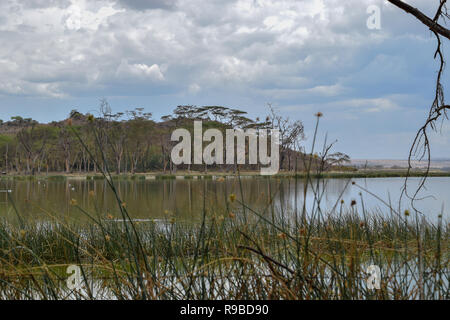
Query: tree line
131	141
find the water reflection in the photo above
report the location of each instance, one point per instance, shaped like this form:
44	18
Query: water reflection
154	199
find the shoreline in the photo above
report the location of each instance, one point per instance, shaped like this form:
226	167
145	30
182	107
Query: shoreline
218	174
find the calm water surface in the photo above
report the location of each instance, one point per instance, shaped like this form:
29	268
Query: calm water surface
152	199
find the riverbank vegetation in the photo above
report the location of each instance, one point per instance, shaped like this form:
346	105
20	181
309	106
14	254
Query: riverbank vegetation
349	174
231	251
132	142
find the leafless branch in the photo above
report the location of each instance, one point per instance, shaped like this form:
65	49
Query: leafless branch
420	149
430	23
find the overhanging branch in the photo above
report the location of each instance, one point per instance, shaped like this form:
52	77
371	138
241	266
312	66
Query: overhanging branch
430	23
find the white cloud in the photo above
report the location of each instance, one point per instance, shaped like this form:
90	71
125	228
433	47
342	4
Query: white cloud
79	15
372	105
266	46
138	70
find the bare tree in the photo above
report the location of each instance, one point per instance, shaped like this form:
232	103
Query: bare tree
438	110
420	149
432	23
291	133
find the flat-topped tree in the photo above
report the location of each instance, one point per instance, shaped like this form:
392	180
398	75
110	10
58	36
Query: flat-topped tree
218	113
185	111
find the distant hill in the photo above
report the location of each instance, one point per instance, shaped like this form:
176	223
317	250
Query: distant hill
442	164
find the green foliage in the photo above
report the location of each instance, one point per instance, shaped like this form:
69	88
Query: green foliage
127	142
5	139
57	178
165	177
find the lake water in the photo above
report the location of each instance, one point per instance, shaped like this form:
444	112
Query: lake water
184	199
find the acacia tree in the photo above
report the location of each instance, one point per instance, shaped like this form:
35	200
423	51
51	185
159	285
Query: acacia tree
5	146
66	141
337	159
117	137
33	141
139	128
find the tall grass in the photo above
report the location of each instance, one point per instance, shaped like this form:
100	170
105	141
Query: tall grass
225	257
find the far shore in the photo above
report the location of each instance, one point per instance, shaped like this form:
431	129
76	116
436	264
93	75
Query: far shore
380	173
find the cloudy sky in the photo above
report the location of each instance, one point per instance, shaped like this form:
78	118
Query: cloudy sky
373	86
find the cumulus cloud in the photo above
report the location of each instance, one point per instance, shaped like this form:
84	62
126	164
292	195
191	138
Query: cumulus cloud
138	70
300	47
308	53
79	15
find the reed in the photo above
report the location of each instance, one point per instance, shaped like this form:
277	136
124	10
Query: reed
231	252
